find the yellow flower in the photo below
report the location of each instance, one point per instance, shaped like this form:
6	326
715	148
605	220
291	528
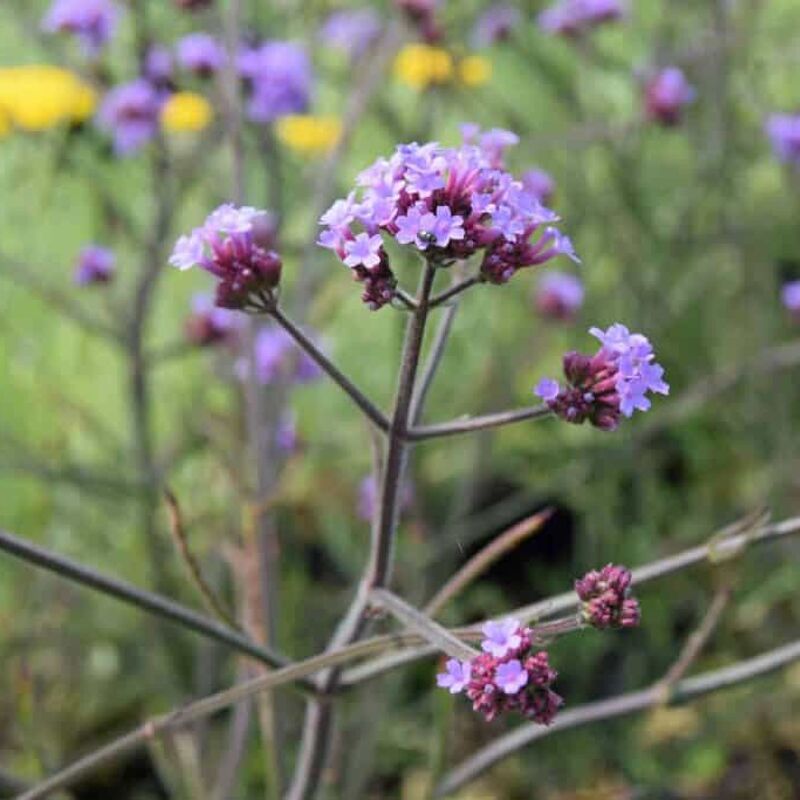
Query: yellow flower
308	134
420	66
39	96
5	123
475	70
186	111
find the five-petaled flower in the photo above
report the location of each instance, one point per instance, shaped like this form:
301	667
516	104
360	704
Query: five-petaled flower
456	677
501	636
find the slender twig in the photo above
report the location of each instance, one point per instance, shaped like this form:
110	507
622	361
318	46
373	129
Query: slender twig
707	682
484	559
455	290
178	532
144	600
373	413
431	631
470	424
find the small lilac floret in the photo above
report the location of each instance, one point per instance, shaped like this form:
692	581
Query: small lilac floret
200	53
790	296
510	676
456	677
501	637
547	389
130	113
666	94
92	22
364	250
96	264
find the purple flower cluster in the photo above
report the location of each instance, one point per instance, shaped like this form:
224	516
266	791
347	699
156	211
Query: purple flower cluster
447	203
614	381
783	131
790	296
559	295
495	24
665	95
210	325
277	357
92	22
233	244
575	17
351	30
279	78
605	598
508	676
158	67
130	113
540	184
95	265
200	54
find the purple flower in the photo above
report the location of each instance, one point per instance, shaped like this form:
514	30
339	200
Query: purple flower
233	245
351	30
559	295
540	184
277	356
666	94
130	114
614	381
456	677
606	600
783	131
286	433
95	265
368	497
501	637
201	54
790	296
364	251
574	17
208	325
279	75
158	66
547	389
92	22
495	24
510	676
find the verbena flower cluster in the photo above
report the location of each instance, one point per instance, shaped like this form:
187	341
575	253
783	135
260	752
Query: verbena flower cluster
130	114
352	31
613	382
96	264
495	24
606	601
509	675
210	325
233	244
666	94
91	22
559	295
783	131
447	204
575	17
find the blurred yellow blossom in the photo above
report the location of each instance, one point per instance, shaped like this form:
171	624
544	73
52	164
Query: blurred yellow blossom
308	134
475	70
186	111
421	65
5	123
40	96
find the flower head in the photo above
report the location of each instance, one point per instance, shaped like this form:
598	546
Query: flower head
501	637
613	382
421	66
666	94
575	17
186	112
309	135
201	54
351	30
495	24
559	295
606	600
92	22
456	676
279	77
277	356
95	265
209	325
130	113
158	66
783	131
510	676
233	245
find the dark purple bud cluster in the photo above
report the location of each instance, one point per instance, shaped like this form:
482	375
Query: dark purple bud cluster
605	598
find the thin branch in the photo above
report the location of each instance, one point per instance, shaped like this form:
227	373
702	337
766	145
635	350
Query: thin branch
415	620
470	424
622	705
484	559
455	290
373	413
190	562
144	600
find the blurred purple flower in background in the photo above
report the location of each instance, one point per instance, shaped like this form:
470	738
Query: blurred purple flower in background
574	17
201	54
209	325
351	30
286	433
129	113
158	66
559	295
92	22
368	497
540	184
280	79
277	356
790	296
783	131
95	264
665	95
495	24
